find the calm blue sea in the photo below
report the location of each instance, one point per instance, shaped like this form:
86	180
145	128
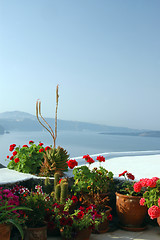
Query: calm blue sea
80	143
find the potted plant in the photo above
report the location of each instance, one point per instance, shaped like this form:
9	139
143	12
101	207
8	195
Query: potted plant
92	181
41	204
77	225
151	196
130	213
10	213
26	159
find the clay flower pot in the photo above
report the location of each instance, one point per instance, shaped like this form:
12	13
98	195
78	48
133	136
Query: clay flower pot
36	233
5	231
130	213
104	226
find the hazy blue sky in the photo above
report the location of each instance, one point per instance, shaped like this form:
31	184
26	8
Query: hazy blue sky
104	54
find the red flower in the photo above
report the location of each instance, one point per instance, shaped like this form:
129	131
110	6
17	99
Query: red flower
14	153
72	163
142	201
25	146
7	156
16	160
63	221
137	187
41	144
101	158
81	208
11	148
88	159
154	212
109	217
69	221
122	174
47	148
30	142
74	199
80	215
11	158
41	150
130	176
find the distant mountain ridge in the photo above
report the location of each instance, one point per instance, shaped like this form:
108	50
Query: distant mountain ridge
22	121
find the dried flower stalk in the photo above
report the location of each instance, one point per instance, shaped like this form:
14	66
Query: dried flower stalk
48	127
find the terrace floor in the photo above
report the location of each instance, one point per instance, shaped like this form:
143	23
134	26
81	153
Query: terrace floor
151	233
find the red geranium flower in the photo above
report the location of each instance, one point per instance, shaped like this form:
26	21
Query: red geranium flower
25	146
74	199
7	156
11	157
11	148
41	150
16	160
101	158
47	148
30	142
41	144
137	187
80	215
130	176
69	221
88	159
122	174
154	212
72	163
109	217
63	221
14	153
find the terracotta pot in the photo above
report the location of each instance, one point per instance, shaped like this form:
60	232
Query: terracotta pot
104	226
5	231
130	213
36	233
83	234
158	221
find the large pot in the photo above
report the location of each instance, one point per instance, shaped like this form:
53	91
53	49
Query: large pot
36	233
130	213
5	231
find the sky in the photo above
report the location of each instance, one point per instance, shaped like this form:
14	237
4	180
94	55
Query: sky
104	54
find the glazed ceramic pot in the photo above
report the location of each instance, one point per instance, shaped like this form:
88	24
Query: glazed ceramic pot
130	213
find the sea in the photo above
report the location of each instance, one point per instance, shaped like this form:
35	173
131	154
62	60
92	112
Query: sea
79	143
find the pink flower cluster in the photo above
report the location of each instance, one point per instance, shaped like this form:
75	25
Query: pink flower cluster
154	212
145	182
6	196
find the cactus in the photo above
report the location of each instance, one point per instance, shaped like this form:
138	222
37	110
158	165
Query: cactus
57	192
56	179
64	192
55	160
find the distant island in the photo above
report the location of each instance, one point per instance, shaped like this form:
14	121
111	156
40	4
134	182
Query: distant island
22	121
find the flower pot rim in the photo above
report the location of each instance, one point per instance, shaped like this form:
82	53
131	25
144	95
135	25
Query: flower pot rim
128	196
44	226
